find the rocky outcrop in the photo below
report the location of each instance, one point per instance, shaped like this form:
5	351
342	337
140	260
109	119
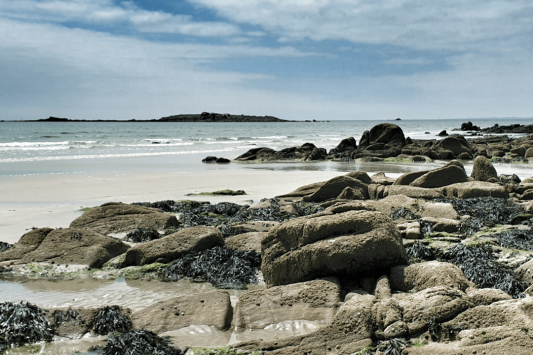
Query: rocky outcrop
75	246
474	189
455	144
312	301
345	147
116	217
175	245
27	243
347	243
210	308
383	133
483	170
306	152
408	178
334	187
426	275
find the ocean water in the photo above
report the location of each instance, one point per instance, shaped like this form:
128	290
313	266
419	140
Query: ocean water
29	148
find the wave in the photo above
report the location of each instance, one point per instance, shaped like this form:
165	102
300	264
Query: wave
32	144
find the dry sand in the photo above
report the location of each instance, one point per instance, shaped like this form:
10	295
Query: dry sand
55	200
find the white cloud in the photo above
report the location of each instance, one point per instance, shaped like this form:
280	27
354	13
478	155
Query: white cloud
105	12
420	24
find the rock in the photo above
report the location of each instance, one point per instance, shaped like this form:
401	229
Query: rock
210	308
75	246
511	313
464	156
305	152
386	133
381	179
27	243
339	244
409	177
413	192
419	159
529	153
526	196
426	275
116	217
474	189
455	144
382	289
413	231
440	303
483	169
333	188
447	175
469	126
361	176
304	190
252	226
173	246
486	296
443	134
445	225
246	242
346	145
349	332
525	272
312	301
222	161
396	330
350	193
71	322
209	159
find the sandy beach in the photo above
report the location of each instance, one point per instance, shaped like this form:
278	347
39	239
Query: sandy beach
55	200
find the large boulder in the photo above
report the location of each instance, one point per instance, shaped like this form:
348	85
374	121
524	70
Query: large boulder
211	308
175	245
483	169
27	243
474	189
455	144
352	242
312	301
486	296
447	175
305	152
347	145
334	187
421	276
117	217
305	190
413	192
383	133
76	246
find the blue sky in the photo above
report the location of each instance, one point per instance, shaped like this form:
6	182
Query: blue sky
294	59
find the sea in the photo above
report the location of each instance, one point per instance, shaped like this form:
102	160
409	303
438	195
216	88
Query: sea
34	148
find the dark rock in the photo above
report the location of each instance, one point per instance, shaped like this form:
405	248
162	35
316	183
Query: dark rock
443	134
222	161
141	235
337	244
469	126
334	187
455	144
425	275
346	145
409	177
4	246
138	342
408	141
173	246
483	169
209	159
464	156
306	152
385	133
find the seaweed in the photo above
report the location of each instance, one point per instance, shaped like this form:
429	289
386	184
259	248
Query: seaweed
70	315
111	319
403	212
479	265
484	212
435	329
141	235
307	208
4	246
23	323
516	238
418	252
223	267
138	342
76	236
392	346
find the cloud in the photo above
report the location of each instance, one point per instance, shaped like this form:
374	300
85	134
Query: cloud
418	24
106	13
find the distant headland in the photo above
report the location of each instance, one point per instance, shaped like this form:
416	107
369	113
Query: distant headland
203	117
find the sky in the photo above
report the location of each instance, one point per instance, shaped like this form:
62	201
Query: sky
293	59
